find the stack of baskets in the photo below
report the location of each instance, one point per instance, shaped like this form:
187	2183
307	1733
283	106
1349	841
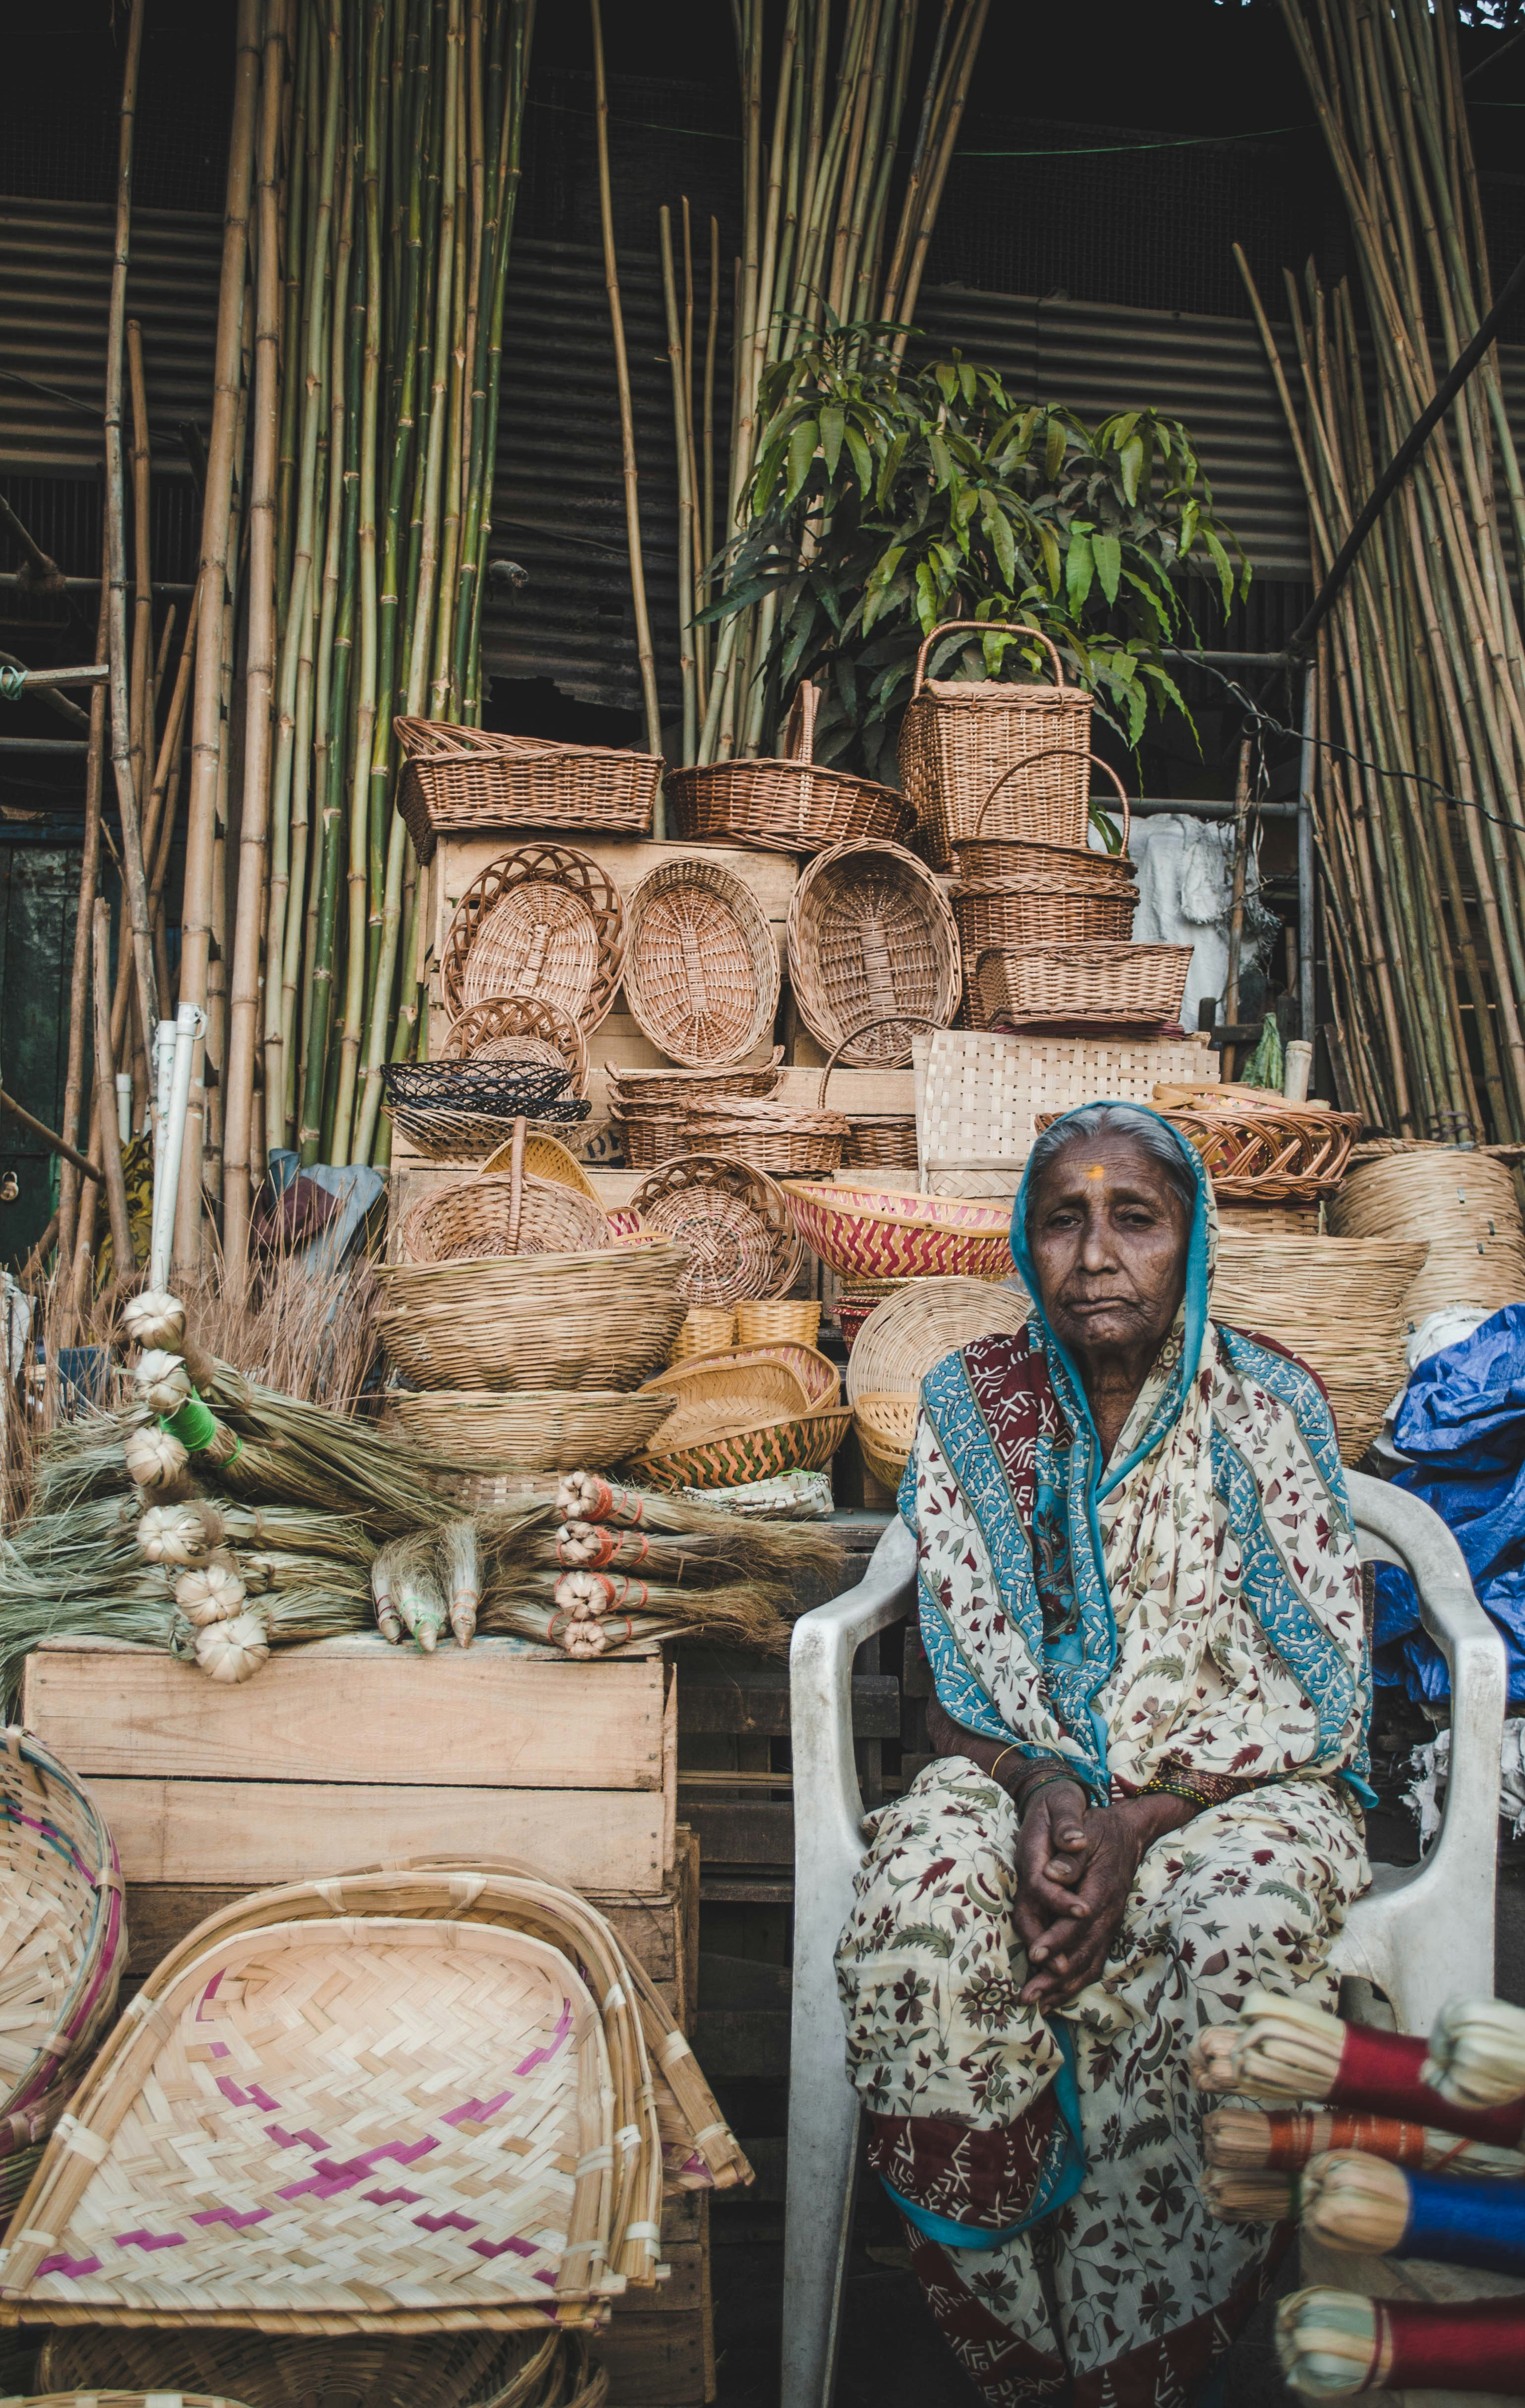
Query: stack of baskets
1338	1303
1462	1205
898	1345
785	806
747	1414
650	1109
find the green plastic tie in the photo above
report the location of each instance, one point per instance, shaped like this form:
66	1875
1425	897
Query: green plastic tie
12	684
194	1425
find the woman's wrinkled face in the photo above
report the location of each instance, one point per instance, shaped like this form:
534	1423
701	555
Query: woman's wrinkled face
1108	1237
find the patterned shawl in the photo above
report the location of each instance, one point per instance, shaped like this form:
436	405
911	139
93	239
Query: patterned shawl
1190	1607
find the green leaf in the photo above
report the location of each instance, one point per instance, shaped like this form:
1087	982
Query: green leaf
947	380
862	458
1131	456
1053	450
941	465
802	445
1109	555
832	425
1003	543
1223	564
966	381
1079	568
890	468
1049	546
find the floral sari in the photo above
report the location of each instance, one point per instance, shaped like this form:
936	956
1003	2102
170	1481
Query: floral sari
1185	1613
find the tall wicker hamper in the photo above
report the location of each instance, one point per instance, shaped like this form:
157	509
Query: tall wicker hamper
958	739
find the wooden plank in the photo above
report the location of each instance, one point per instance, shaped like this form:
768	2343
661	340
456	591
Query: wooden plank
728	1984
711	1703
653	2360
740	2042
683	2293
254	1833
759	1834
463	1718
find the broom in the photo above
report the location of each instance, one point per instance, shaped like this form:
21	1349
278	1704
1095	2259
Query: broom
1244	2139
183	1534
1332	2343
1286	2051
777	1550
1363	2203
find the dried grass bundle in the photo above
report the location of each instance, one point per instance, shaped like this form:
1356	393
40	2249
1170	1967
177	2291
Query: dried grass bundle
1476	2056
1351	2202
777	1551
1280	2049
749	1607
1238	2195
1244	2139
1327	2342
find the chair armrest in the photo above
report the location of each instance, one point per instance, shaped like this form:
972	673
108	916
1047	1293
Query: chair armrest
1394	1528
828	1805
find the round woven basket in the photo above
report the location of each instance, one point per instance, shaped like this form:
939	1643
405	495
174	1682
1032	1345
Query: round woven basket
784	1321
738	1457
251	2369
501	1212
815	1372
538	1430
545	920
867	1233
701	966
721	1392
734	1222
885	1427
872	947
918	1325
856	1299
545	1157
507	1091
1461	1205
520	1028
600	1320
959	738
707	1330
1272	1157
1337	1303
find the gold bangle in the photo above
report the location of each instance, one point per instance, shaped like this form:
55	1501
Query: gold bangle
1013	1747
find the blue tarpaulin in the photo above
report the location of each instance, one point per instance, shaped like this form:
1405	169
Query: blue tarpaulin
1461	1425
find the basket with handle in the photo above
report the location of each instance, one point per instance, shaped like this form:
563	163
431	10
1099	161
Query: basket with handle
1009	913
1081	986
885	1140
520	1028
787	1140
787	805
545	920
475	778
499	1213
980	857
959	736
871	940
701	966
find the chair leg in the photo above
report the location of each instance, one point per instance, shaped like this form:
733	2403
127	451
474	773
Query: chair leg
818	2223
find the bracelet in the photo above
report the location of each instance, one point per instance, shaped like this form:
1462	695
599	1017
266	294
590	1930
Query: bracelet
1012	1748
1190	1797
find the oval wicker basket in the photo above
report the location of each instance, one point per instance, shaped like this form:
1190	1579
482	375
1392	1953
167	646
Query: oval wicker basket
1010	913
461	2370
733	1219
787	1140
475	778
735	1458
721	1392
872	946
885	1427
701	966
544	921
707	1330
1081	987
520	1028
603	1320
815	1372
917	1325
958	738
867	1233
671	1090
1270	1158
786	805
783	1321
504	1212
536	1429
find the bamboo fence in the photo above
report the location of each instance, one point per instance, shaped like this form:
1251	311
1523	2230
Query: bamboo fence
1420	679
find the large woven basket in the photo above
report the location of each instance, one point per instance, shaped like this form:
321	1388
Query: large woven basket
1336	1302
496	2370
787	1140
536	1429
520	1028
872	945
916	1327
476	778
783	1321
601	1320
62	1947
1081	986
980	857
783	805
958	736
502	1212
815	1373
701	966
733	1219
873	1233
1010	913
1271	1157
544	921
885	1427
736	1458
1461	1204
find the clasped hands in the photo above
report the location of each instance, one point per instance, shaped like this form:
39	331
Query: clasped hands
1075	1864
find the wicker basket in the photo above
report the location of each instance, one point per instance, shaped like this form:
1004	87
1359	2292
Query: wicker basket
545	1157
675	1090
815	1373
982	1095
450	1136
1271	1157
650	1138
917	1325
707	1330
603	1320
503	1091
872	945
733	1219
866	1233
471	778
880	1140
701	966
787	1321
958	738
786	806
1010	914
504	1212
980	858
723	1392
1336	1302
1090	986
736	1458
305	2371
1461	1204
544	921
857	1298
538	1430
787	1140
885	1427
520	1028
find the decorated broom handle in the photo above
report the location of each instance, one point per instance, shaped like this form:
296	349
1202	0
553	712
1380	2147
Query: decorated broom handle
988	627
800	733
1048	752
888	1020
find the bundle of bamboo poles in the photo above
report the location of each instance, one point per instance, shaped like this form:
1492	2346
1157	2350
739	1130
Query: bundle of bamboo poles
823	238
1420	694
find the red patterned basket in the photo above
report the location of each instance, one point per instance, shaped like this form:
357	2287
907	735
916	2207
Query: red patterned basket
738	1457
868	1233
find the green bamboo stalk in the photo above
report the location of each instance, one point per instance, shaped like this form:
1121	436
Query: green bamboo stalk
687	672
443	700
521	36
301	176
423	604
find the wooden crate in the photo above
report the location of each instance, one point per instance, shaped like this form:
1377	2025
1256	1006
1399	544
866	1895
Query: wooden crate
659	2346
352	1752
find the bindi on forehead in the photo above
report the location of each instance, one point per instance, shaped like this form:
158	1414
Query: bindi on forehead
1097	1171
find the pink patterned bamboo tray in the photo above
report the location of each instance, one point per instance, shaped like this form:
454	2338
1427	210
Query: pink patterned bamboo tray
867	1233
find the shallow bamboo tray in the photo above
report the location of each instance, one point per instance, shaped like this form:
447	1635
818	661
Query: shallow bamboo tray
720	1392
701	967
815	1373
915	1327
286	2371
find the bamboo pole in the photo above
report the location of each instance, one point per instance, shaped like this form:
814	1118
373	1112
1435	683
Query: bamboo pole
239	1173
205	727
645	654
687	669
107	1140
141	701
79	975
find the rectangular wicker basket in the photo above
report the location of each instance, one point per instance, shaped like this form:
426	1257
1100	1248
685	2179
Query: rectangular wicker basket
477	779
978	1096
1095	986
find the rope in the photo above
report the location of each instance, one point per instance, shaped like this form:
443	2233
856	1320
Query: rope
12	684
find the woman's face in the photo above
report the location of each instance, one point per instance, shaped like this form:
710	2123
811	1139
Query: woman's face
1108	1237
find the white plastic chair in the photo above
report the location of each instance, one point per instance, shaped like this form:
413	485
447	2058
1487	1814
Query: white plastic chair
1420	1933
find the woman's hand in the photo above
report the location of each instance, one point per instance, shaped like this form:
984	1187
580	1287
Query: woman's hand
1075	1868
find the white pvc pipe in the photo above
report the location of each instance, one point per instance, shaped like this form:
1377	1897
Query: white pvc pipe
190	1022
125	1106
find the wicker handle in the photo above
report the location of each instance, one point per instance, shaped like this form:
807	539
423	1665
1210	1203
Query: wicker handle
516	1188
800	733
886	1020
986	627
1046	755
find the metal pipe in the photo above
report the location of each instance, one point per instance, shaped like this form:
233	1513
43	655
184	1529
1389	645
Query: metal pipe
1306	885
1145	804
190	1025
125	1106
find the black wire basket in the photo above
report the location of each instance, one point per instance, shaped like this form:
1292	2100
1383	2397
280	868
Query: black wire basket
505	1091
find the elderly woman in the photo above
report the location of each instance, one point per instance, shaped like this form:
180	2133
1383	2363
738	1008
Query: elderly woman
1140	1599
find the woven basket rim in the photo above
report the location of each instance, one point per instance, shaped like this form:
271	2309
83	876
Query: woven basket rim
822	876
497	744
729	772
842	1199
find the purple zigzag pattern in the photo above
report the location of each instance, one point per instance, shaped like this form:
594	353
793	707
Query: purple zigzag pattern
231	2217
334	2175
391	2197
252	2097
497	2248
75	2266
543	2056
144	2239
296	2140
453	2222
476	2111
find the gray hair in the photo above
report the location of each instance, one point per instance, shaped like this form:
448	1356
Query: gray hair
1152	1136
